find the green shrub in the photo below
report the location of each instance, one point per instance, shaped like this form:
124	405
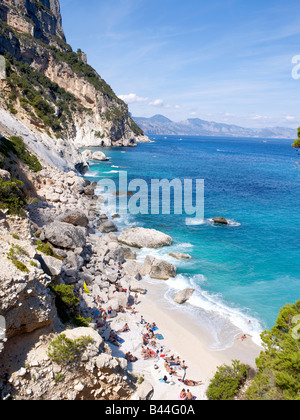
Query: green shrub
79	321
47	250
66	294
16	146
63	350
11	197
227	381
20	266
296	143
65	302
278	365
15	251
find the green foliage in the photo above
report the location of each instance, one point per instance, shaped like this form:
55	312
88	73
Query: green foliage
16	146
51	103
278	365
227	381
85	71
20	266
66	303
13	254
135	128
79	321
66	294
11	197
47	250
296	143
63	350
20	150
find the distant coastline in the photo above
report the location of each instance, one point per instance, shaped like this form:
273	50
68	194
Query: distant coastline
160	125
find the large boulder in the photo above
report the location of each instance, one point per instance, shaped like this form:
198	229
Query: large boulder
53	266
183	296
136	286
144	238
80	332
99	156
74	217
133	269
64	235
145	391
220	221
108	227
159	269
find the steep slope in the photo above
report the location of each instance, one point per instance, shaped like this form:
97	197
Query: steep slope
51	90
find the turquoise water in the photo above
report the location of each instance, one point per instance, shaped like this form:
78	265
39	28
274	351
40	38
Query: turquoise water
242	272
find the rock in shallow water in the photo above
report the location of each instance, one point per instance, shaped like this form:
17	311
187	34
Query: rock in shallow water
144	238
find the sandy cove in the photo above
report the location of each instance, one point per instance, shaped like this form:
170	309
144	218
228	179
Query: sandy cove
183	337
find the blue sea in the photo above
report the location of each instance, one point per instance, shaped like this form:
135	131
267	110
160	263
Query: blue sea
246	271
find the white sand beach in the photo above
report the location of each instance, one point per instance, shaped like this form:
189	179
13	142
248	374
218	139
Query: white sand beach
182	337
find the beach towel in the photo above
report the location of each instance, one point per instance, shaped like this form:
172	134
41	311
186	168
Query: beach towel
159	337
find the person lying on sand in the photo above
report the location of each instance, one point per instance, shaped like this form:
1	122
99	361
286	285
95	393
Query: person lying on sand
130	358
113	339
124	329
189	382
133	311
149	354
170	370
170	359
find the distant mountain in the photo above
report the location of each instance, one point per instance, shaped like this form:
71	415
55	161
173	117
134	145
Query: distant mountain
160	125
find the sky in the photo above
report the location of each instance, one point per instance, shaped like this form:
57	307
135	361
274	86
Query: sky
229	61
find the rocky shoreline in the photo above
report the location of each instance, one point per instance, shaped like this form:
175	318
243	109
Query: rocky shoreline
66	217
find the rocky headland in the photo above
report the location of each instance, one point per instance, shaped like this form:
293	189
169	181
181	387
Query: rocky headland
54	253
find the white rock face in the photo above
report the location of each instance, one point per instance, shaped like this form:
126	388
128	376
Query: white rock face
144	238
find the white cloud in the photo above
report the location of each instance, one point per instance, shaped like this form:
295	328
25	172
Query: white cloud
160	103
132	98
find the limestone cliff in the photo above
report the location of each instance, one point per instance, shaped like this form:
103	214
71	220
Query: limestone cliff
71	103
